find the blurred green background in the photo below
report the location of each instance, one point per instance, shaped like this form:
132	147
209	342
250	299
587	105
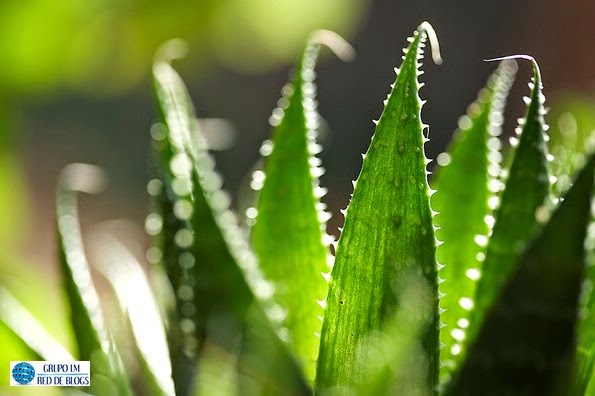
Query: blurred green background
75	87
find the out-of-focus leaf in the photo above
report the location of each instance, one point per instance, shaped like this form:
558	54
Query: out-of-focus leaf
388	232
23	337
465	181
384	358
128	279
207	258
91	334
263	363
289	235
202	270
521	207
14	348
35	292
24	325
526	343
572	135
585	332
219	374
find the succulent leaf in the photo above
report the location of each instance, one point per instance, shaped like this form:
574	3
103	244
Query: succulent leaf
465	182
208	261
387	241
523	202
289	235
92	336
121	268
526	344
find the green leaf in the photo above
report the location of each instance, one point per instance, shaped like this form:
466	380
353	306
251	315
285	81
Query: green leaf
27	328
585	332
218	374
572	138
87	319
522	203
289	237
388	361
24	336
465	182
31	288
388	237
263	362
526	343
207	258
119	266
197	259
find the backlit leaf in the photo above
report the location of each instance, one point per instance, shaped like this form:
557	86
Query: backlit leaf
289	237
93	339
572	137
522	204
202	270
206	256
585	332
127	277
526	343
465	181
388	238
24	325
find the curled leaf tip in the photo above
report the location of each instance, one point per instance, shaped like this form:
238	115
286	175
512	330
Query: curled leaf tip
86	178
171	50
426	27
335	43
518	56
509	57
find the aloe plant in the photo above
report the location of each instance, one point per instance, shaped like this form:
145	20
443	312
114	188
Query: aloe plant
388	238
481	283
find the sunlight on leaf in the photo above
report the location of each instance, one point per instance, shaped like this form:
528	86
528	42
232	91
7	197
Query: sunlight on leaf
388	231
127	277
93	339
526	344
585	332
465	181
526	190
289	208
25	326
206	255
572	138
218	373
393	360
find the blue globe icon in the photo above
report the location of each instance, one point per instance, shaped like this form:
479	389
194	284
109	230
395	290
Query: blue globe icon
23	373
